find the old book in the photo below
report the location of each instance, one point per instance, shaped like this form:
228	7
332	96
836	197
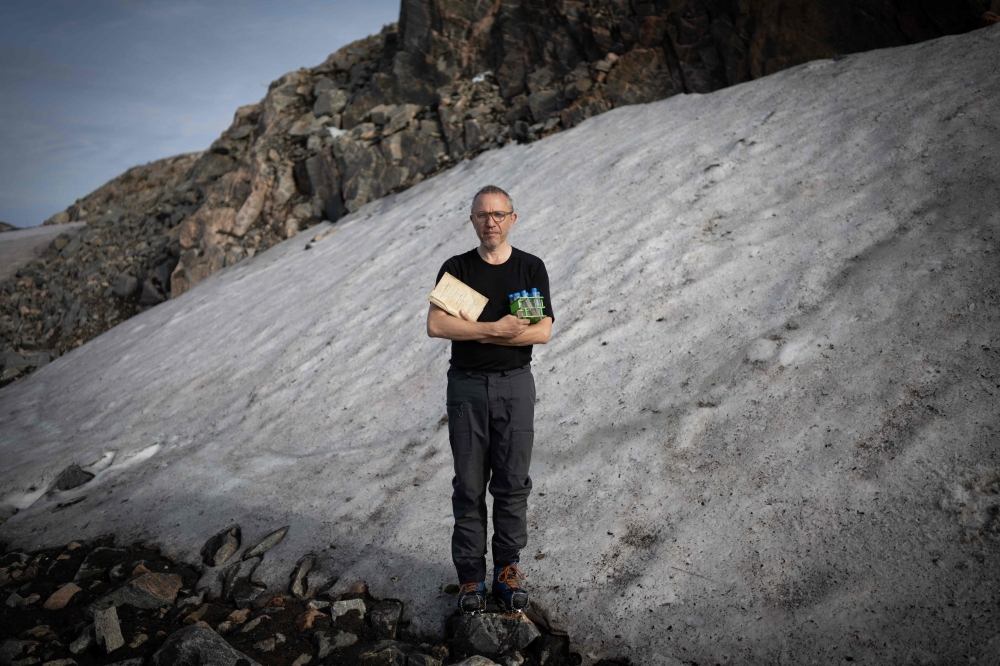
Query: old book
452	295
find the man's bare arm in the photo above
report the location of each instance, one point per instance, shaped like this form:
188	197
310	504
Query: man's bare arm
440	324
535	334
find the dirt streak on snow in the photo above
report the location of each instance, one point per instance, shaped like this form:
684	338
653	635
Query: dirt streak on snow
768	414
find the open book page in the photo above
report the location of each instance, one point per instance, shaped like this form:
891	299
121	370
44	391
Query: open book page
452	295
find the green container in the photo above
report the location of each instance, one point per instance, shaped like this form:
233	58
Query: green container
531	308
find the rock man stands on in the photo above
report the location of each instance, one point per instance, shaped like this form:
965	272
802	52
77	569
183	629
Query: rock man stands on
491	403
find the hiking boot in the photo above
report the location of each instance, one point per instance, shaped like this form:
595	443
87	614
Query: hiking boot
506	591
472	598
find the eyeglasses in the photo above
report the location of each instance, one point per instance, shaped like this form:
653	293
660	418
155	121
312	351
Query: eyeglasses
498	216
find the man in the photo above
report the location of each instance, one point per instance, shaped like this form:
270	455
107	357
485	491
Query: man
491	403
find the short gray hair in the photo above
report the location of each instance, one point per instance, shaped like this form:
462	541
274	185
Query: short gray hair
491	189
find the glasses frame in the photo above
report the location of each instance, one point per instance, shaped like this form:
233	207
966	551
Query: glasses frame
504	214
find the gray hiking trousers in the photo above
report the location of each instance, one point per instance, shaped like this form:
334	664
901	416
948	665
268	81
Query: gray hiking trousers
491	428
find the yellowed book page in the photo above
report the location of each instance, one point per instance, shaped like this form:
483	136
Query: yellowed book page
452	295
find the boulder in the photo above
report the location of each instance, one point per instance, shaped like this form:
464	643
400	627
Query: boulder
61	597
237	572
72	247
107	630
83	641
221	547
12	649
147	591
382	113
198	645
542	104
126	286
385	617
492	634
330	102
62	217
401	119
98	561
476	660
642	75
299	586
150	294
266	544
71	477
339	608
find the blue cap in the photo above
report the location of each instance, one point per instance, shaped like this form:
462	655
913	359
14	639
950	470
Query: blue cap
524	294
534	292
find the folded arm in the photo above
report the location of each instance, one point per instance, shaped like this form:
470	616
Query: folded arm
508	331
534	334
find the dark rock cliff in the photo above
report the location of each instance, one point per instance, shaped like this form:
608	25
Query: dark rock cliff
453	78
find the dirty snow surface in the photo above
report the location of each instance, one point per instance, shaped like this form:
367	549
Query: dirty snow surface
767	424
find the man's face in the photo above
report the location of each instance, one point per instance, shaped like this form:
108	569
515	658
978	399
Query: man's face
492	234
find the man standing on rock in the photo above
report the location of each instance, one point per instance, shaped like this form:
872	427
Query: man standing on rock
491	403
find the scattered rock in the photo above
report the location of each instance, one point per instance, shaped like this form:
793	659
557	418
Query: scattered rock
324	647
299	585
266	544
252	624
85	640
302	660
148	591
239	616
339	608
98	561
197	645
304	622
60	662
61	597
71	477
138	640
390	656
196	615
492	634
13	648
126	286
512	659
107	630
42	632
221	547
385	617
476	660
237	572
418	659
266	645
15	600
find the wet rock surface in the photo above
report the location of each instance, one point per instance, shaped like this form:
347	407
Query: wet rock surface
450	80
154	616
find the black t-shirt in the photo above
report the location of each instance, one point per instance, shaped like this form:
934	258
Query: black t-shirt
521	272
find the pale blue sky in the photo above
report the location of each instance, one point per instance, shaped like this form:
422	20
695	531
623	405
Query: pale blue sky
89	88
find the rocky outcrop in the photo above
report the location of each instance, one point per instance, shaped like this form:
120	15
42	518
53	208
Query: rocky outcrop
159	618
450	80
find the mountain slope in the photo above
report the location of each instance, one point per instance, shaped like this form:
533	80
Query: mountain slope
768	413
453	78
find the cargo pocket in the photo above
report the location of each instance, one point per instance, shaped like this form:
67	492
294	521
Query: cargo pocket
458	421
